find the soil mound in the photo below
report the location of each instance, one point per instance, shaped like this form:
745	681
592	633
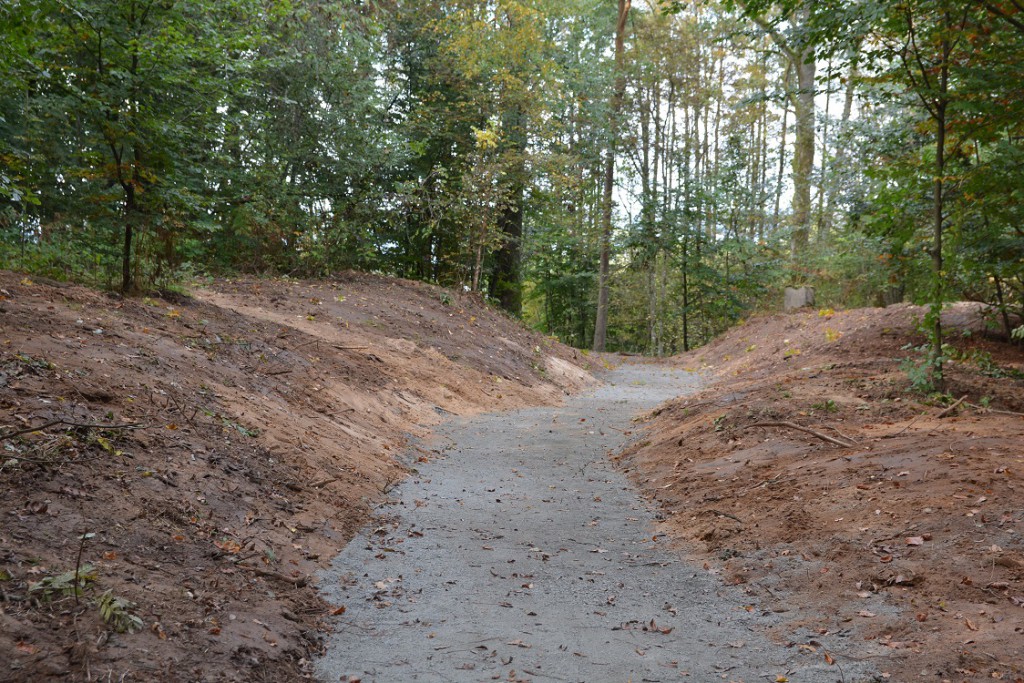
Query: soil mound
812	472
178	467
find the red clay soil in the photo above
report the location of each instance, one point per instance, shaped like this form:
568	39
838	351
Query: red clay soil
189	462
908	537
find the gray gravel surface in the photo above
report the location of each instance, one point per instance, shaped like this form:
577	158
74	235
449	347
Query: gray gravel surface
521	554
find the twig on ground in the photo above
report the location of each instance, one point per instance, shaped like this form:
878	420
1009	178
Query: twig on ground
792	425
951	408
298	582
725	514
993	410
942	414
766	482
848	438
52	423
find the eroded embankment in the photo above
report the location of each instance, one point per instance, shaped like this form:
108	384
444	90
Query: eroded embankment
898	518
216	450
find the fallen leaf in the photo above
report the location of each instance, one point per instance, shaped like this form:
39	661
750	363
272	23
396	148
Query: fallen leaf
970	624
829	659
865	613
915	540
228	545
339	611
519	643
27	648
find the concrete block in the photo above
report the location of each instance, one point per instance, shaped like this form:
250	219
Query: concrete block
799	297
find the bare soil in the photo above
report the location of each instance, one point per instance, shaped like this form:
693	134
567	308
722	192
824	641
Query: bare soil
910	536
200	457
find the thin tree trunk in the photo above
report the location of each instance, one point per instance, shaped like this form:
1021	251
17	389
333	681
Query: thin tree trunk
823	222
803	154
782	150
618	94
506	285
844	124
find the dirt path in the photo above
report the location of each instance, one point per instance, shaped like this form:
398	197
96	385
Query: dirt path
521	554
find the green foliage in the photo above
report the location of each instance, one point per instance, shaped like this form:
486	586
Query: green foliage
115	611
918	371
983	361
68	584
143	144
828	406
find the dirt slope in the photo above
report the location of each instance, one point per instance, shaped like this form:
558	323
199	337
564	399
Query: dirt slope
910	536
215	450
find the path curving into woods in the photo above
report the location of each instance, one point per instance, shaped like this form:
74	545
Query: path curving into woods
521	554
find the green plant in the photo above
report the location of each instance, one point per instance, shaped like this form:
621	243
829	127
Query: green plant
984	362
115	611
70	583
919	372
829	406
925	370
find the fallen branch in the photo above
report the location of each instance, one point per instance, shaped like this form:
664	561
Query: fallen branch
951	408
350	348
53	423
791	425
993	410
323	482
910	424
298	582
766	482
726	514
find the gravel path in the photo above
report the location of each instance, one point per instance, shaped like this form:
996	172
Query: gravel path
521	554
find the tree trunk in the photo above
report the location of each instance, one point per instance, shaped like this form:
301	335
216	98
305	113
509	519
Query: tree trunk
506	284
938	289
601	323
126	252
844	124
784	128
803	154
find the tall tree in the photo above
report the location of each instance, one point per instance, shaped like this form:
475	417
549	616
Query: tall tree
789	28
618	94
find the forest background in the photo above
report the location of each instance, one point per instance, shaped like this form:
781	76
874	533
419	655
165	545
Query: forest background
634	178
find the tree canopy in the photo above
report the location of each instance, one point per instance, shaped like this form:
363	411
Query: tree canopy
630	176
